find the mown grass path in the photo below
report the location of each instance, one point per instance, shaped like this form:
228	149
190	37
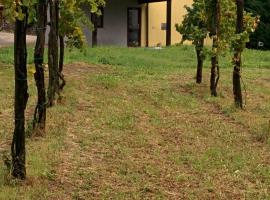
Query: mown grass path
134	125
138	134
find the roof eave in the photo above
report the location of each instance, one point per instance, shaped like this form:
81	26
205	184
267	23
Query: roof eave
149	1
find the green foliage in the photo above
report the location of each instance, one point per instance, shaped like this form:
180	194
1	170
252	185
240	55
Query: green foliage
227	23
74	17
239	41
199	23
13	9
194	25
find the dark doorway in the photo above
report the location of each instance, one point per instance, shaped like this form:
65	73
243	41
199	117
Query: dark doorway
134	27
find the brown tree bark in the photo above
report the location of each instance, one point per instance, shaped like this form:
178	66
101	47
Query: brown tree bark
215	49
53	88
21	97
95	31
214	68
237	91
39	122
200	60
61	63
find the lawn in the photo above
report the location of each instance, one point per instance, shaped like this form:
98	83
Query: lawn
134	125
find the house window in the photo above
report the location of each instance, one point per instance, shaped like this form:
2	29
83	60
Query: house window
164	26
97	20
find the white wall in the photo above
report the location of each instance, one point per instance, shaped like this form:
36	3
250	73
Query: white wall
114	31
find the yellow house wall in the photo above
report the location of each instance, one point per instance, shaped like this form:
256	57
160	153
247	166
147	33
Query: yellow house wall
144	25
178	12
157	16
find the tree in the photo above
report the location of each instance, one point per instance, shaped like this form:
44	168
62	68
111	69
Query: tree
40	110
194	28
221	23
72	19
70	24
21	94
245	25
53	55
67	19
18	12
214	27
237	56
213	18
94	19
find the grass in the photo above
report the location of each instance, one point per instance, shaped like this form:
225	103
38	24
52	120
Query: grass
146	58
134	125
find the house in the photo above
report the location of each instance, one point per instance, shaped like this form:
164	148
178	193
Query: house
138	23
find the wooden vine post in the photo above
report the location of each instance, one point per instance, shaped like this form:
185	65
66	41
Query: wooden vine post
21	94
215	31
200	59
39	122
238	99
53	55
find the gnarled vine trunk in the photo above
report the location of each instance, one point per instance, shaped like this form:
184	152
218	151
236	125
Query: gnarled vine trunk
238	99
61	63
215	50
21	97
214	68
53	88
200	60
95	31
40	111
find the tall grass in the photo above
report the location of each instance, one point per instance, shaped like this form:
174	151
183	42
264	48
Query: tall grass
172	57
